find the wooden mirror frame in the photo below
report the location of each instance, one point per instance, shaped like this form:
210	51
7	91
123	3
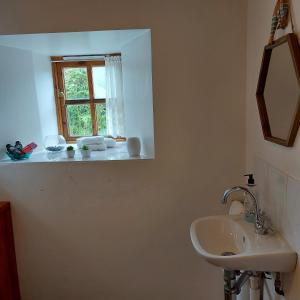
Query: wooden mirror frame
292	41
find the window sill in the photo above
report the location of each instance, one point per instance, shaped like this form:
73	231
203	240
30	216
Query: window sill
117	153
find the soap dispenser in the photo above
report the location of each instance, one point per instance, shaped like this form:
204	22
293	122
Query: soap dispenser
248	201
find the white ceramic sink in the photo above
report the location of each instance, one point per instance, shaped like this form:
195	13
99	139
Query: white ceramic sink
212	236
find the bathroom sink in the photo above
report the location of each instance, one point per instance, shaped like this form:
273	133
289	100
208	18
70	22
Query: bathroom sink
231	243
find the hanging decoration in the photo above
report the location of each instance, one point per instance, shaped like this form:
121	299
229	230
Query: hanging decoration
280	18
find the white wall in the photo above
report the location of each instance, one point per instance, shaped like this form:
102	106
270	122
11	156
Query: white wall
18	98
27	99
277	168
45	94
120	230
137	79
278	193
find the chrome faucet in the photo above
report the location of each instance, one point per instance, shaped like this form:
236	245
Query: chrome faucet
260	218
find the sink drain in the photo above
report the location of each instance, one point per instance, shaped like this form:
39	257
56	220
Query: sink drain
227	253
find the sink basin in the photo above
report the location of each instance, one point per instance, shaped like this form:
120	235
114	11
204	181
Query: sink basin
231	243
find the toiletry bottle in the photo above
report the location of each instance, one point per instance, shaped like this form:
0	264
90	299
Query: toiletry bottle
248	201
29	148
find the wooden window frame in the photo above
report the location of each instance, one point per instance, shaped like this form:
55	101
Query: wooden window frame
62	103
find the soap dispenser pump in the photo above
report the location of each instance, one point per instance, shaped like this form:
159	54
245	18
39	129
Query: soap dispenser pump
248	201
251	181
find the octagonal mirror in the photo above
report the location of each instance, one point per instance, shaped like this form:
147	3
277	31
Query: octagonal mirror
278	91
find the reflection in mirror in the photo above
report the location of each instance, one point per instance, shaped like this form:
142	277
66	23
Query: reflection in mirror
281	92
77	84
278	92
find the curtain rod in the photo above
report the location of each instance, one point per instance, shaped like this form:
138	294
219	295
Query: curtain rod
85	57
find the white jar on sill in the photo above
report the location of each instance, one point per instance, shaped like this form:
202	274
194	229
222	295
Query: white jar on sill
133	146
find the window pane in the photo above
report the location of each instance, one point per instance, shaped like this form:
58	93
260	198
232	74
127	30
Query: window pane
99	82
79	120
101	118
76	83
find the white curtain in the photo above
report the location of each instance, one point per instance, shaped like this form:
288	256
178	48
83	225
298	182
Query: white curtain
114	97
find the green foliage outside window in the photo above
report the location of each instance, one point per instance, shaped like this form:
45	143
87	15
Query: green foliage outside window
76	83
79	120
101	118
79	116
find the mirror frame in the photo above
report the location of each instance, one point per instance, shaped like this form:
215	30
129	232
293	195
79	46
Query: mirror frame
292	41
